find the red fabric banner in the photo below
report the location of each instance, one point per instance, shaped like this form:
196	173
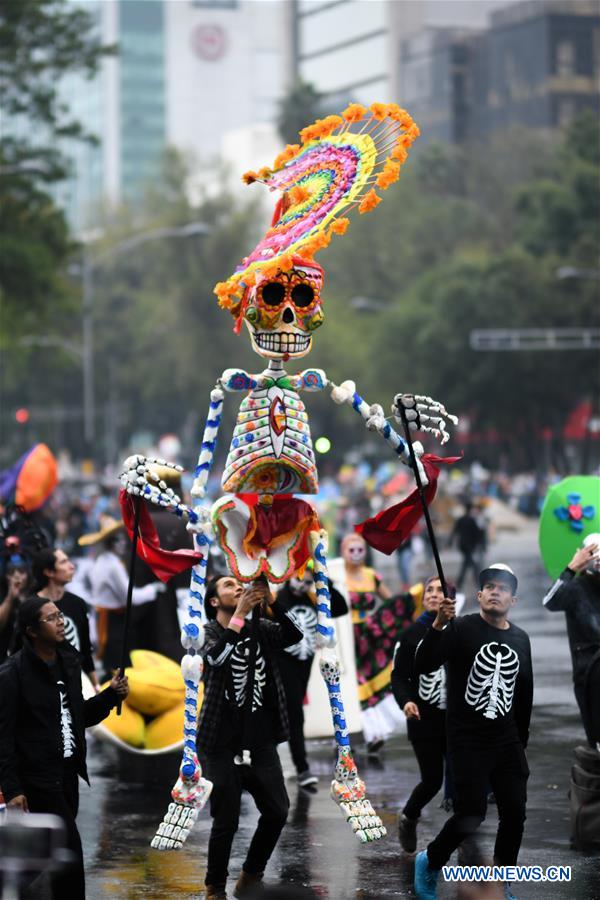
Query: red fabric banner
391	527
164	563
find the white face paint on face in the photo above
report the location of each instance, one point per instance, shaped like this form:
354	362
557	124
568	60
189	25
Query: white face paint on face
354	552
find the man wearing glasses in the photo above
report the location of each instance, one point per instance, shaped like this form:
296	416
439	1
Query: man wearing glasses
43	718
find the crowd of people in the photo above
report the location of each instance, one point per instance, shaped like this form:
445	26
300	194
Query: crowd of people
463	682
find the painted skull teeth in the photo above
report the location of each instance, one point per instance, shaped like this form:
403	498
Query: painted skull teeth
282	342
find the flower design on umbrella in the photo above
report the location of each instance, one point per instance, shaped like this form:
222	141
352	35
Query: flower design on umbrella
574	513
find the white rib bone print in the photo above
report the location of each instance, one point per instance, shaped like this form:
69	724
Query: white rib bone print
491	683
432	688
239	674
71	633
306	619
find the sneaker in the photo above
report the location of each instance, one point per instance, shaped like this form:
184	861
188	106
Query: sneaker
425	877
407	833
215	892
247	883
307	779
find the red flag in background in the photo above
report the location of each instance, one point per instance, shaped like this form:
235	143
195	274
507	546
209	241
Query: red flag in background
390	528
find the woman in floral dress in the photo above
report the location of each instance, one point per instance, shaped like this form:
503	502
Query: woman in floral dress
378	620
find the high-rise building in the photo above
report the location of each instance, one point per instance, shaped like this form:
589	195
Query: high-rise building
188	73
536	65
351	49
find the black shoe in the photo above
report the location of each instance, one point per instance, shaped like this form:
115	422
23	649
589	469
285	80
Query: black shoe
373	747
407	833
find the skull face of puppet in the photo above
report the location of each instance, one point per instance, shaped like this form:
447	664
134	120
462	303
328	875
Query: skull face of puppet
283	311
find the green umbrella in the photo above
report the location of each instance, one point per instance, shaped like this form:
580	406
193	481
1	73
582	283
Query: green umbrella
571	511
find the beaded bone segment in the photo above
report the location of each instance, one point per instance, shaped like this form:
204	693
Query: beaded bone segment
347	789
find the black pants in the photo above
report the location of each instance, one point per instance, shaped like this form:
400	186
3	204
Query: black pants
468	562
430	753
264	781
473	770
295	674
585	709
69	883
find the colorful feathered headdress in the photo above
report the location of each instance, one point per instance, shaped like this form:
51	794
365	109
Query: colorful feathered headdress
339	164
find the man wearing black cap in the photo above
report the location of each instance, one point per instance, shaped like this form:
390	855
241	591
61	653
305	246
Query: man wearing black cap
489	697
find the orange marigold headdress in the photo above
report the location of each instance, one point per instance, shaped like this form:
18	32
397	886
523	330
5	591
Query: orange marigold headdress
338	164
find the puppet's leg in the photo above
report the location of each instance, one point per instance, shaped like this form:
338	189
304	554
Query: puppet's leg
347	789
191	790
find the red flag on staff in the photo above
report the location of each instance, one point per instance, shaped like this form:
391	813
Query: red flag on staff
164	563
390	528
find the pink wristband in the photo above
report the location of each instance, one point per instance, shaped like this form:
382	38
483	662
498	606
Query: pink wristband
236	620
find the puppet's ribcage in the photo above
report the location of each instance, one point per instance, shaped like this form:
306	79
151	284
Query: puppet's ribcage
491	684
271	451
432	688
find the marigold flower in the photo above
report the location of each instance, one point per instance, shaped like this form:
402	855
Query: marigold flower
354	112
288	153
339	226
286	263
329	125
311	132
298	194
389	174
379	110
369	202
399	152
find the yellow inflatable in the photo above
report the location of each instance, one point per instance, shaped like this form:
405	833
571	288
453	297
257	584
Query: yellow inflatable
152	716
147	659
156	690
129	726
165	730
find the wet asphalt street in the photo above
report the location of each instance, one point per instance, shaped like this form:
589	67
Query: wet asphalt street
119	814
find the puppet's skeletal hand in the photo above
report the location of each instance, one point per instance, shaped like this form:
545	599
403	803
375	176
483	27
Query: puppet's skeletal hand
344	392
424	414
140	480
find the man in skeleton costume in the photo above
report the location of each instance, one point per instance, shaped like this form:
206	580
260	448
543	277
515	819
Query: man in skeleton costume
43	718
576	592
224	731
489	697
52	572
423	701
298	597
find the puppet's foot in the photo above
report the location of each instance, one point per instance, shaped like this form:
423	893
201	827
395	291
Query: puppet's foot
348	791
189	796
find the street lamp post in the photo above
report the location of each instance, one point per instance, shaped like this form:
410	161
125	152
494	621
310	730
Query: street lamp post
88	269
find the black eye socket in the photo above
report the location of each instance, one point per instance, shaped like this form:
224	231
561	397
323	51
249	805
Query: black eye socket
273	293
302	295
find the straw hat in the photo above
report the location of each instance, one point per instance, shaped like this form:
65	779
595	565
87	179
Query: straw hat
108	526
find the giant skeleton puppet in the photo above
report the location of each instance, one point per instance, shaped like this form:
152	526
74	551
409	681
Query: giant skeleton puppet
262	529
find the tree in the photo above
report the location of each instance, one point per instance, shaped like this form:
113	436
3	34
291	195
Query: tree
300	106
42	41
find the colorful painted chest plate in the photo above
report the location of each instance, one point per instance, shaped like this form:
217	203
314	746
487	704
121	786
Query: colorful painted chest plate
271	451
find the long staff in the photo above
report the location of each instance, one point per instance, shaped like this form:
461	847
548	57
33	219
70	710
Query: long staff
134	540
430	531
